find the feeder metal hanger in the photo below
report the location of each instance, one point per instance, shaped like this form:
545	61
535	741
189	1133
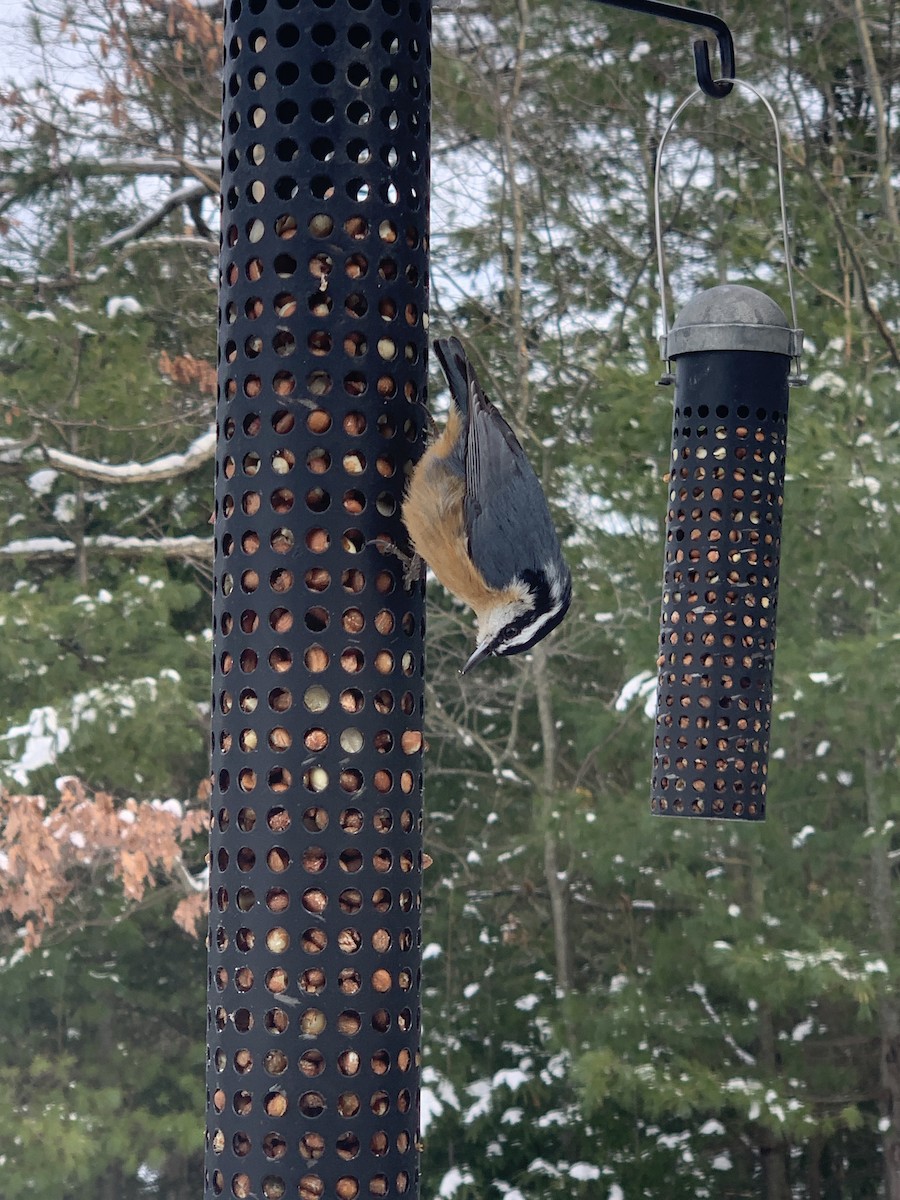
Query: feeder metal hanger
717	88
794	336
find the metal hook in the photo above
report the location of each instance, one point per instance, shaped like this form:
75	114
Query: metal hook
717	88
797	378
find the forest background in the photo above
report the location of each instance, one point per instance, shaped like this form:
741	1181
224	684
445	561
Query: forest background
615	1006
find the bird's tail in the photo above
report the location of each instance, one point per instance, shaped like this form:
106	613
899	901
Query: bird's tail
457	369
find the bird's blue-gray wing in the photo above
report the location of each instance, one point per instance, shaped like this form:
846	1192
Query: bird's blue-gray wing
507	518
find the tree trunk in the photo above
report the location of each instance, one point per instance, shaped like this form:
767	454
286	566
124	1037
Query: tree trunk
881	908
814	1169
772	1147
508	125
882	136
556	886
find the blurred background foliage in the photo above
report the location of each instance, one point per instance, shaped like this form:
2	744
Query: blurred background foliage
615	1007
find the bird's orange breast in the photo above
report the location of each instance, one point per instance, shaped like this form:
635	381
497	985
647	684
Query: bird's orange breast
433	512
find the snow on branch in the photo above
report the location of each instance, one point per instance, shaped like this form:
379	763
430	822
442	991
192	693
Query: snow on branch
11	449
168	466
38	548
184	195
192	241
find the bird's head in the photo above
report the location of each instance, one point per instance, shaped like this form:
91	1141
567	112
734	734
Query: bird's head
524	613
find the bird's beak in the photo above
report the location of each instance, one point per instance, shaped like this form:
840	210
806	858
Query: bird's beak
479	654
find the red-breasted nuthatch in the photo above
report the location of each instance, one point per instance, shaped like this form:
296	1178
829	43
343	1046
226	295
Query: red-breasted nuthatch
477	515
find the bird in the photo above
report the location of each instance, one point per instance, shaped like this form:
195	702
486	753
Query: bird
477	515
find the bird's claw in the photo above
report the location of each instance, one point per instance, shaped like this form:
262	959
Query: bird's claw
413	564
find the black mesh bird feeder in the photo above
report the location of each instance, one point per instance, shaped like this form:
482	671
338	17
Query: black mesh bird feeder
732	349
315	873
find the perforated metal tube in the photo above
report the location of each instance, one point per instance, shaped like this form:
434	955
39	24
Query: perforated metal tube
732	348
315	874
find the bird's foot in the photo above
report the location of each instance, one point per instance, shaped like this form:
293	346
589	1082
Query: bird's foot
413	564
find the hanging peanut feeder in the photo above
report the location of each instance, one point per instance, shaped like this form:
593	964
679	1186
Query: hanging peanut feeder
315	874
732	349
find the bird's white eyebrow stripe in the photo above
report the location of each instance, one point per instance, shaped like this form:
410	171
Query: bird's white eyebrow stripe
530	630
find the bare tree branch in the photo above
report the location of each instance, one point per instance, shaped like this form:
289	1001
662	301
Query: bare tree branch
169	466
19	185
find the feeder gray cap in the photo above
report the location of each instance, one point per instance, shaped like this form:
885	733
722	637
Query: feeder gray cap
732	317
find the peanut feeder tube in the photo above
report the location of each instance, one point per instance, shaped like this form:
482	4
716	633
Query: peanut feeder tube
732	348
315	874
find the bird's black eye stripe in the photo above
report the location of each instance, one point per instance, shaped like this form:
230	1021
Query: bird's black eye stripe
536	616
